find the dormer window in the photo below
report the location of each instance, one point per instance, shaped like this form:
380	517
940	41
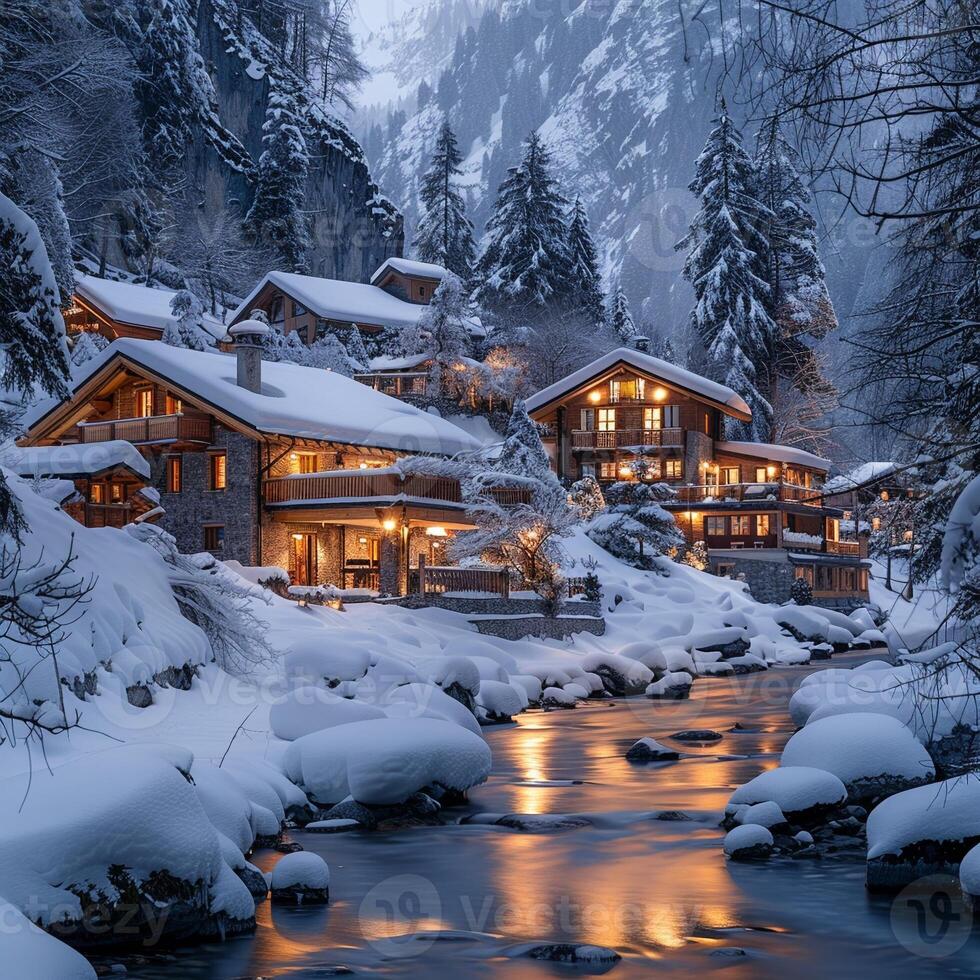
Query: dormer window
626	389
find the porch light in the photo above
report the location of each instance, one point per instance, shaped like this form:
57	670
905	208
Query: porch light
389	524
624	471
362	466
770	471
294	456
436	532
594	396
362	540
659	394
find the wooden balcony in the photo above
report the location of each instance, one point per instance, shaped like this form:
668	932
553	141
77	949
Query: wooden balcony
439	579
746	493
406	385
852	549
152	428
583	439
344	486
108	515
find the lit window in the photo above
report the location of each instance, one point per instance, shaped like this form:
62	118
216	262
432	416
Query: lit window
714	527
761	525
607	419
740	524
174	405
214	537
653	418
306	463
96	494
674	469
760	474
144	402
175	474
116	494
607	471
218	466
729	475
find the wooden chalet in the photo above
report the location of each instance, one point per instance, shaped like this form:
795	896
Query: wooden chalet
757	507
269	463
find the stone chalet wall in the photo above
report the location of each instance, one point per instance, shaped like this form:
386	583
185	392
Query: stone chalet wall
236	507
555	628
497	605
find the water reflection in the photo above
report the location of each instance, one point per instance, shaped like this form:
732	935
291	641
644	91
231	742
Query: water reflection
657	891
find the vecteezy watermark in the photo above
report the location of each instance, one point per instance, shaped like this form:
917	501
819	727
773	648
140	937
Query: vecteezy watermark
929	917
397	912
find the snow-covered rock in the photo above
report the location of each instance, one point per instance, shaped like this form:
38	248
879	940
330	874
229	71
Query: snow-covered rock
748	842
420	700
621	675
970	877
803	793
500	702
309	709
673	685
301	878
926	830
327	659
650	750
556	697
767	814
28	951
387	760
872	754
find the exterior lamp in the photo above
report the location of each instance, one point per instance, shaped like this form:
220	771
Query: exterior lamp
770	471
362	466
624	471
659	394
594	396
436	532
389	524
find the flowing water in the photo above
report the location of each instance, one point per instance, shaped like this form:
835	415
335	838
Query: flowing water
459	900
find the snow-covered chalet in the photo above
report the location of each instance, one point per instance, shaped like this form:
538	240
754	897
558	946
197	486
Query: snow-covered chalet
758	507
266	463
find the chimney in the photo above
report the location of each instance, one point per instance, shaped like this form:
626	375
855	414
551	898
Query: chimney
247	338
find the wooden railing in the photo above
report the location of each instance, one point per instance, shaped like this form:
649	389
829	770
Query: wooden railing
617	438
152	428
402	385
746	493
107	515
437	579
345	485
509	496
855	549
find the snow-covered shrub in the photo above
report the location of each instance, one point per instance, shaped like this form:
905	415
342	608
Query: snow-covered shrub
311	709
634	527
801	592
696	556
215	600
587	498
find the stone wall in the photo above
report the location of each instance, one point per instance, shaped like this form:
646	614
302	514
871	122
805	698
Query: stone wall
498	605
276	548
516	628
236	508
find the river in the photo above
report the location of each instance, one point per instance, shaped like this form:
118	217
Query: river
658	892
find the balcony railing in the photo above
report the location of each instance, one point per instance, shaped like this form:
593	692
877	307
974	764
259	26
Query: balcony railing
747	493
406	384
619	438
854	549
439	579
152	428
358	485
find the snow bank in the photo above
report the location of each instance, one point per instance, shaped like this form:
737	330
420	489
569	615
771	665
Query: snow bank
970	874
501	701
870	753
386	761
309	709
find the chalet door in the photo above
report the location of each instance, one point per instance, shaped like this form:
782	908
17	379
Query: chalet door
303	559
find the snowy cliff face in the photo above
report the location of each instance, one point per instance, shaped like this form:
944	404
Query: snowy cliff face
355	226
623	92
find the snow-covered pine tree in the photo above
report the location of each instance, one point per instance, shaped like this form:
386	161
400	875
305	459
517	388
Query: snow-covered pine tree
523	271
727	265
328	353
445	234
523	453
354	345
165	84
32	331
187	328
443	323
85	346
620	319
276	216
584	276
799	301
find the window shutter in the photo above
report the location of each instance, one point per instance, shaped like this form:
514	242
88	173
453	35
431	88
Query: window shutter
588	419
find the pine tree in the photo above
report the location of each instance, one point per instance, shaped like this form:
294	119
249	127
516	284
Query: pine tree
620	319
329	354
276	215
187	327
445	234
799	301
523	271
441	332
85	346
523	452
728	265
584	276
354	345
164	85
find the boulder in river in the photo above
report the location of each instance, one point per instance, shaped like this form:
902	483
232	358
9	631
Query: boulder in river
697	735
302	878
650	750
749	842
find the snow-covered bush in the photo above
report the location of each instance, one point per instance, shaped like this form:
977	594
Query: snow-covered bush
696	556
587	498
309	709
634	527
801	592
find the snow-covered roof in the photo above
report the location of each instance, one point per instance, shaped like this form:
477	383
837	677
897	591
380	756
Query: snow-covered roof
729	401
295	400
860	475
139	306
75	460
336	299
397	363
127	302
769	450
410	267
